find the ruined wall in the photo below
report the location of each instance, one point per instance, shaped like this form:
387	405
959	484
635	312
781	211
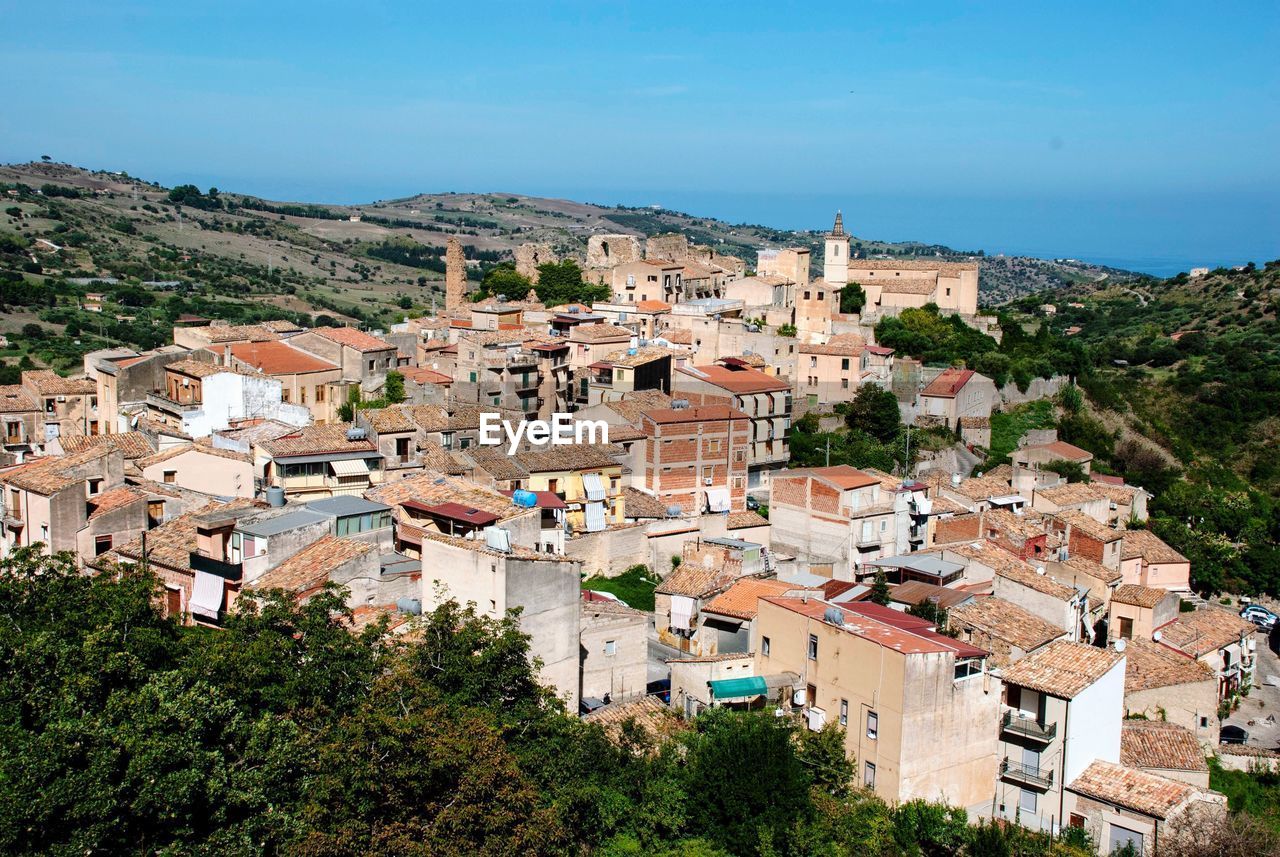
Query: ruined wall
605	251
532	254
455	276
672	246
609	552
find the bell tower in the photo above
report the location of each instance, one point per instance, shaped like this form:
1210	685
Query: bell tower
835	261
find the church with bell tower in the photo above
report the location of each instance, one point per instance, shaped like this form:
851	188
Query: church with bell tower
835	259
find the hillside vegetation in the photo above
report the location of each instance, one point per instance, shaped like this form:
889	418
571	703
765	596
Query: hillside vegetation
1182	392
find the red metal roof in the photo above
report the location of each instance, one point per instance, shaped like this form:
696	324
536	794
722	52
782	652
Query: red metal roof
456	512
947	384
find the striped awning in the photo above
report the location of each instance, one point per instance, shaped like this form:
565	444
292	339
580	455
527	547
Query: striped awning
593	484
595	517
351	467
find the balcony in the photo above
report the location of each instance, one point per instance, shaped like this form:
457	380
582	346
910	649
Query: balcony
1034	776
228	570
508	359
1027	727
162	402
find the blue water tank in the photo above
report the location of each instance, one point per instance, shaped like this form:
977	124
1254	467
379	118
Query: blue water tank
527	499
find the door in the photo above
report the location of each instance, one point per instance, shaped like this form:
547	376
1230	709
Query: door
1031	761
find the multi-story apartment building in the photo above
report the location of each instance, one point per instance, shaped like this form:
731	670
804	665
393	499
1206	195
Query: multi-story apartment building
362	356
496	370
624	371
766	400
832	372
305	379
835	519
1063	708
319	461
891	682
956	393
695	457
68	406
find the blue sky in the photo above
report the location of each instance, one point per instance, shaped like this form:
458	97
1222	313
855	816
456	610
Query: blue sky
1121	128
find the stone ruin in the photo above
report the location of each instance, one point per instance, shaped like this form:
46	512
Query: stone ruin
532	254
605	251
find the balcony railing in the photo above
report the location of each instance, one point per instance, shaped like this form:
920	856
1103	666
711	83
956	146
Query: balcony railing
1028	727
1031	775
164	403
229	570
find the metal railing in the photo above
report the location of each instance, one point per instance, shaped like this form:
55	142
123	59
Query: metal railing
1028	727
1030	775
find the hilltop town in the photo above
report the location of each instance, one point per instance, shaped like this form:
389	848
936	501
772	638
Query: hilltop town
837	487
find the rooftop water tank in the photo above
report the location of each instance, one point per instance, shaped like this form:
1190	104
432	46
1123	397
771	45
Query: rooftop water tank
527	499
275	496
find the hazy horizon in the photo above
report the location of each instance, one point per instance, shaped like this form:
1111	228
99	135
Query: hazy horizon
1095	130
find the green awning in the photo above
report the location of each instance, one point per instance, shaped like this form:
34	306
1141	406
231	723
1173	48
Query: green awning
737	688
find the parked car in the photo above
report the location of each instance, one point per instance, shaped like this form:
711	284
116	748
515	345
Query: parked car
752	503
1232	735
1259	615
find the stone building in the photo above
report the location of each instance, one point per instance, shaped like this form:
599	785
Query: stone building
605	251
532	254
613	650
455	275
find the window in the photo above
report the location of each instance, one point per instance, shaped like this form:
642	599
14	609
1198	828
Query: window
95	487
1077	820
610	647
171	476
869	777
1027	801
844	712
284	396
101	544
806	296
844	383
302	396
764	648
813	362
473	377
873	725
319	395
1204	722
372	364
1126	628
822	296
813	647
844	363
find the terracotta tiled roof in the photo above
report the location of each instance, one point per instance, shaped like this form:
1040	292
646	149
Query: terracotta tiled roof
584	457
315	440
677	336
47	383
1132	789
421	375
1089	526
1150	665
396	418
171	543
1024	526
353	338
631	405
903	640
50	474
495	461
1093	569
433	489
948	383
736	381
1006	621
835	349
1119	494
1059	449
638	504
743	520
131	444
1155	744
1062	669
598	333
909	285
653	306
309	568
198	369
979	487
696	580
741	599
1205	630
116	498
14	400
1070	494
221	333
1149	546
918	591
1138	596
277	358
911	265
649	713
648	354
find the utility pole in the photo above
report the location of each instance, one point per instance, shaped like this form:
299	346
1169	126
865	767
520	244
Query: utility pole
828	450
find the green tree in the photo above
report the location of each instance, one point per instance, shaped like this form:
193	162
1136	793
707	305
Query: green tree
347	410
874	410
503	279
879	590
393	392
852	299
561	283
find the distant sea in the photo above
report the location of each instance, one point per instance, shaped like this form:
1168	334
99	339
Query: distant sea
1157	234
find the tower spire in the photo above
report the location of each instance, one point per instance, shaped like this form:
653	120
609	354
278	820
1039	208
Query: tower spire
838	229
